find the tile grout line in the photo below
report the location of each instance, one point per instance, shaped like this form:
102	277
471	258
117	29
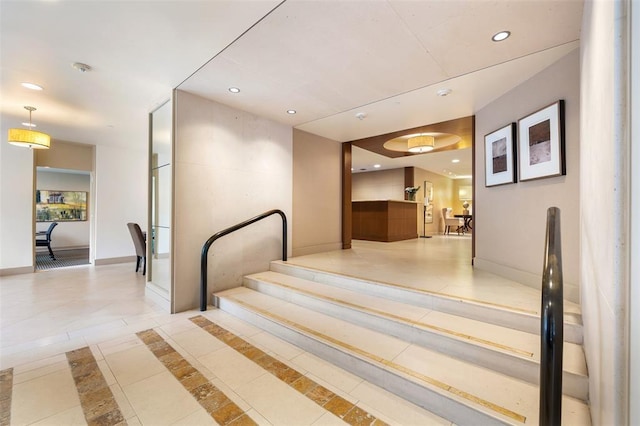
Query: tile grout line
6	392
335	404
218	405
98	403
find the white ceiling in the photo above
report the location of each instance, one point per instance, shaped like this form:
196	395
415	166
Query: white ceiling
327	59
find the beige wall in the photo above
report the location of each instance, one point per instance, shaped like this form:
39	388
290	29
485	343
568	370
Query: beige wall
604	209
442	198
378	185
510	219
66	155
229	167
317	199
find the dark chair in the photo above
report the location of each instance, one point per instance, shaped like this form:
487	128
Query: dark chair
140	245
46	242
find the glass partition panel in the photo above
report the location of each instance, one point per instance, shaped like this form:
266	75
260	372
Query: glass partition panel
161	198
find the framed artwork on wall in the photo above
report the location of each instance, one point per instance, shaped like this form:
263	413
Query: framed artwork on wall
428	202
56	206
500	156
541	143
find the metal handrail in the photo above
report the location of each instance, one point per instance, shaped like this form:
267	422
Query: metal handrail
227	231
551	325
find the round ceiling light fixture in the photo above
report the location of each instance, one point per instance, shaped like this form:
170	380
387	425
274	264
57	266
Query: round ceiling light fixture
422	143
234	90
361	115
502	35
291	111
443	92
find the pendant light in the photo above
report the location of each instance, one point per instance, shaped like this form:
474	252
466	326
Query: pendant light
28	138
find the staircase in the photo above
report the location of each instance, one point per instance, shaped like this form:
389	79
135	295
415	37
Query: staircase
470	362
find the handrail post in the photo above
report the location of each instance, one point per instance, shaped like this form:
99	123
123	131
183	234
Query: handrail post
229	230
551	325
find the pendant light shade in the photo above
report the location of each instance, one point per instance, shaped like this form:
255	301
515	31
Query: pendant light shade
421	144
29	138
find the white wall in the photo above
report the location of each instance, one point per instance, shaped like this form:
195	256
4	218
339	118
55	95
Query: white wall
229	167
121	181
66	234
16	207
604	209
510	219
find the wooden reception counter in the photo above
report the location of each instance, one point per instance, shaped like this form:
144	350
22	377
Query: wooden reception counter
384	220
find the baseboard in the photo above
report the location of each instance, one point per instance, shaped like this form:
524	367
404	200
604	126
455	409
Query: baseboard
16	271
321	248
114	260
571	291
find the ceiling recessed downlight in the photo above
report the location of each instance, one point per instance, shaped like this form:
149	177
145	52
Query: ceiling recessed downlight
291	111
234	90
31	86
455	160
443	92
502	35
376	166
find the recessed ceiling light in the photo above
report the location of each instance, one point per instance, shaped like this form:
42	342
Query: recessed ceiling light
502	35
377	166
291	111
443	92
361	115
455	160
31	86
234	90
29	124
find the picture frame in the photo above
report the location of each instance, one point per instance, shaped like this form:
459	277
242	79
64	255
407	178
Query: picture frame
428	202
61	206
541	143
500	154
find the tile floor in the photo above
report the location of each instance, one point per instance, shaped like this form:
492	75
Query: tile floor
100	315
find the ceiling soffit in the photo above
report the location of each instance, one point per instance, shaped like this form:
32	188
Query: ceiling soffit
462	127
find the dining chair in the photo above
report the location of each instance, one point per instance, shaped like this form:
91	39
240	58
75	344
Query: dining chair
450	221
140	245
46	242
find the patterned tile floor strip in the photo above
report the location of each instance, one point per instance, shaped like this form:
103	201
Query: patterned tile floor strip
218	405
340	407
6	387
97	400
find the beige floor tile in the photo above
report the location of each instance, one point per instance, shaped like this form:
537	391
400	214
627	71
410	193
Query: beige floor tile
392	409
71	417
133	365
328	419
43	397
197	342
270	343
123	403
231	367
160	399
279	403
39	372
328	373
200	418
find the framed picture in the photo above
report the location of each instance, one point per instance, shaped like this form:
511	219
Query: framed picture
500	156
56	206
428	202
541	143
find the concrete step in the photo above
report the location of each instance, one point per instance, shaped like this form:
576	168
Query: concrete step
460	391
505	350
505	316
